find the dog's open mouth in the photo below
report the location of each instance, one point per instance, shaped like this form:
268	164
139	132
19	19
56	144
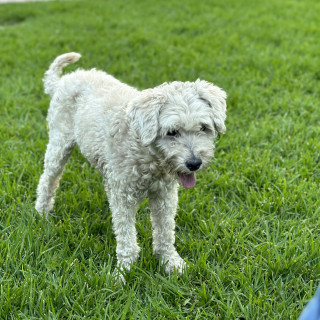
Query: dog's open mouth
188	181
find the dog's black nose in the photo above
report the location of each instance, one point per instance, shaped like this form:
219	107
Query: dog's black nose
193	164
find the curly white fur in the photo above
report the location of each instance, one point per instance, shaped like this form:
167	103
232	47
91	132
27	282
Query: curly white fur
142	143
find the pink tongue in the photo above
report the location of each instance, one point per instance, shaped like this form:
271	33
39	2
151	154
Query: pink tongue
188	181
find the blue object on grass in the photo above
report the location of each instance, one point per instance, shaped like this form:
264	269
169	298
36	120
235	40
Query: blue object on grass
312	309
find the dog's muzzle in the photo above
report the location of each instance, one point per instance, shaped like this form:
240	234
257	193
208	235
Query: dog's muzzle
188	180
193	164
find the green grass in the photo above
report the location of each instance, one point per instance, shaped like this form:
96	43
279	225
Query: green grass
249	230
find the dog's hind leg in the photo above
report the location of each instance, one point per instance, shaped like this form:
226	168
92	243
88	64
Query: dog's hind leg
58	152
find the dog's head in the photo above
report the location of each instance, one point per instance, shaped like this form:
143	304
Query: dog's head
181	120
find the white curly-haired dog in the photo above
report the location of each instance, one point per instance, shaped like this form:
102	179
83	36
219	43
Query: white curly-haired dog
142	143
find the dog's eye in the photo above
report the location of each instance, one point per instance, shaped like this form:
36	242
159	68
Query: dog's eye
172	133
203	128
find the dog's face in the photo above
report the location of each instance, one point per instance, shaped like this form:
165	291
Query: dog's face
181	120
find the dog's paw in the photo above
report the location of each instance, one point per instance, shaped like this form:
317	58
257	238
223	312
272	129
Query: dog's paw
44	207
43	212
119	272
118	276
174	263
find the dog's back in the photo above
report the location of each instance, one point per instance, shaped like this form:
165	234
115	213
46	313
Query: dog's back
68	89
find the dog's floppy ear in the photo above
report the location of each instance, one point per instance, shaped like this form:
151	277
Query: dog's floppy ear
143	114
216	98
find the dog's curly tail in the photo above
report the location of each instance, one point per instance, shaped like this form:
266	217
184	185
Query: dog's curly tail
52	75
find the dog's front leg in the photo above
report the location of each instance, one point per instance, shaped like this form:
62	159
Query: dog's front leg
163	206
124	220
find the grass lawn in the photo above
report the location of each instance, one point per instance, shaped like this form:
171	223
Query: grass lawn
249	229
